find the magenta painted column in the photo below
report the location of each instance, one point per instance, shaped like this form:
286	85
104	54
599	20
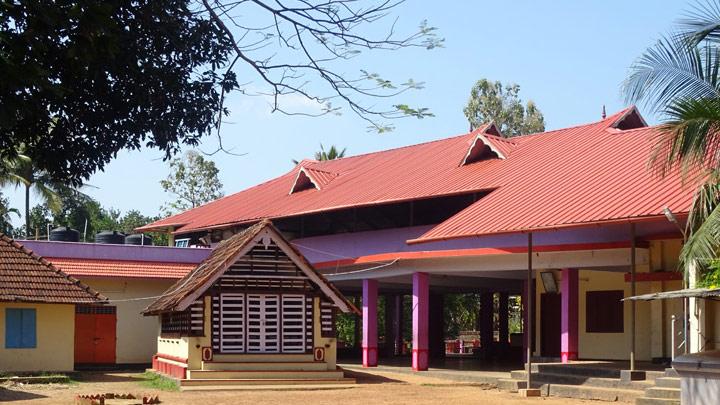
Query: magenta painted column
569	315
420	312
369	311
525	320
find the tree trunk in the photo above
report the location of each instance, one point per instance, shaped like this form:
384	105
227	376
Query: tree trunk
27	212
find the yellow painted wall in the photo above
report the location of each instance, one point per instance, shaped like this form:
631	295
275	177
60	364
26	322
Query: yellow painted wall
652	318
55	350
136	334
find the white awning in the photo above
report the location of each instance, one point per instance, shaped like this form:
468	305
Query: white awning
686	293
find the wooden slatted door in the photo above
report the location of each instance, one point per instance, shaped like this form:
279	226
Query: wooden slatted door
263	323
293	323
232	323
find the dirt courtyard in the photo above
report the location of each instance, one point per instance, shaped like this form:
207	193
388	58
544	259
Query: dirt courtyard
377	388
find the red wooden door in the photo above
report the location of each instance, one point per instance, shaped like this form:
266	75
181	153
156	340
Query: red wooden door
95	334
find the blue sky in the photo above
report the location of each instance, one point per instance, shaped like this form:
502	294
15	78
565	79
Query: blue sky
570	57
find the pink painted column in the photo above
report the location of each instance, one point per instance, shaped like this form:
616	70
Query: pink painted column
569	315
525	319
369	312
420	312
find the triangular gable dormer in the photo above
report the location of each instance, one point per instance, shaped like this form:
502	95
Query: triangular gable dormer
303	181
258	258
631	119
483	147
308	178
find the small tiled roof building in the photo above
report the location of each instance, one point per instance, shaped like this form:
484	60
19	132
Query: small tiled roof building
37	311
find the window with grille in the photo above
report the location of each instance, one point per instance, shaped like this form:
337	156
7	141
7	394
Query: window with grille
185	323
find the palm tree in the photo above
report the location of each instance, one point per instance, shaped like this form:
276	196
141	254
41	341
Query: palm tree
330	154
21	172
679	77
5	211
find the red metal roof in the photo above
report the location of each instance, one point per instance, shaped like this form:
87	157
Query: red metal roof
122	268
588	173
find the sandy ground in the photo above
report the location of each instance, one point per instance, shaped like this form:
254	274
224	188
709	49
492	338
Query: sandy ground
376	389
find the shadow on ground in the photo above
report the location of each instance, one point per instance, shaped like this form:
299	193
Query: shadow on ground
98	376
368	378
7	395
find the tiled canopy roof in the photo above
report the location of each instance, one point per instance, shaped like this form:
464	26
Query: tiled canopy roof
121	268
225	255
26	277
580	175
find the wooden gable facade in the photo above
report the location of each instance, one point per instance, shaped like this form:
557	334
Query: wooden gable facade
262	295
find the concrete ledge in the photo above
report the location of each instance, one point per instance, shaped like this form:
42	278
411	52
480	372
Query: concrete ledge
529	392
632	375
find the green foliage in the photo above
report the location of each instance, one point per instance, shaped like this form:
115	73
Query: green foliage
21	170
193	181
158	382
6	226
679	77
711	277
106	76
330	154
78	210
493	101
115	75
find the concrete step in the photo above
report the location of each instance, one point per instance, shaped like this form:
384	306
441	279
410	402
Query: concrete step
262	358
668	382
656	401
591	393
510	385
587	370
262	382
276	387
567	379
263	374
671	372
279	366
660	392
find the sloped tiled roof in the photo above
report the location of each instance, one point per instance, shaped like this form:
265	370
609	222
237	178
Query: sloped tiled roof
222	257
584	174
121	268
26	277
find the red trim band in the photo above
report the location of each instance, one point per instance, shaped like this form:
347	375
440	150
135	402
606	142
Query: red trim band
430	254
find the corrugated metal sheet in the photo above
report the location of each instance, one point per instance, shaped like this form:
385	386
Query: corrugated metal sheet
582	174
578	175
122	268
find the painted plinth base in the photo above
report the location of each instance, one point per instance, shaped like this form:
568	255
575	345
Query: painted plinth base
370	357
632	375
529	392
420	359
567	356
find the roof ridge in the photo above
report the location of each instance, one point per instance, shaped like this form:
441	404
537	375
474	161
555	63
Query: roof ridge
610	117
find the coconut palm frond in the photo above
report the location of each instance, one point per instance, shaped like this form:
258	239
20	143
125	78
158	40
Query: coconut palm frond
690	137
702	245
672	70
703	223
701	23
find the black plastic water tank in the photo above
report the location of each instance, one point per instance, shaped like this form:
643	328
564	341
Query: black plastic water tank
138	239
64	234
110	237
